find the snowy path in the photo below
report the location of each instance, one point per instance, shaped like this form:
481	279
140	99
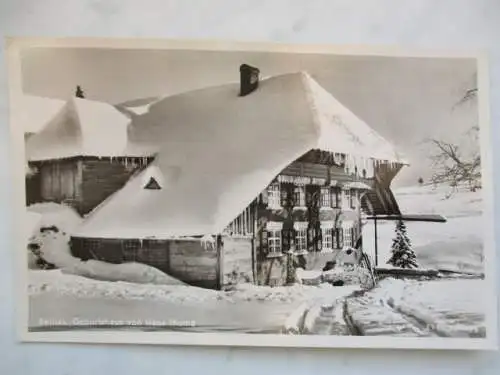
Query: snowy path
420	309
404	308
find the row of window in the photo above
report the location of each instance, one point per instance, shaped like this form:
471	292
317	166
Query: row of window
331	238
329	197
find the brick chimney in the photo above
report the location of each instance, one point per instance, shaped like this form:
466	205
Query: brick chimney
249	79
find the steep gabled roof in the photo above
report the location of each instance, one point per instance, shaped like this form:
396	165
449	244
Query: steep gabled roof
217	151
82	128
33	113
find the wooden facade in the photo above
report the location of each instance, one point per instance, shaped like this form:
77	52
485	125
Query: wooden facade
80	182
305	207
224	263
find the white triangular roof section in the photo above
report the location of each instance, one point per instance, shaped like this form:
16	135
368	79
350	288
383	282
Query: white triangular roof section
32	113
83	128
218	151
139	106
341	131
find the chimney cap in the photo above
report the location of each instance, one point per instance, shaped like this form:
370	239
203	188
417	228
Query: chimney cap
249	79
249	67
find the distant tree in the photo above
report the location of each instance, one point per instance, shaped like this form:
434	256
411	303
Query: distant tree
420	181
456	163
469	95
79	92
403	255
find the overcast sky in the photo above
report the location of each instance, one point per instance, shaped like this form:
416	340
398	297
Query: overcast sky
407	100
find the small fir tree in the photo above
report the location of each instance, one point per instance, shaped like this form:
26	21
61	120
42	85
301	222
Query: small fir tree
420	181
403	255
79	92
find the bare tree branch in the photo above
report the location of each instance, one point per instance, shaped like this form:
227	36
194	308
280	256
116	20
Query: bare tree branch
452	167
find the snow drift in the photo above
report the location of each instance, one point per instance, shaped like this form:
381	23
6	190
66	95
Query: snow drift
49	227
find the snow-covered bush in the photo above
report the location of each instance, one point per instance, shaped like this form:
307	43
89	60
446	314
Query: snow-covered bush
49	240
349	275
50	248
403	255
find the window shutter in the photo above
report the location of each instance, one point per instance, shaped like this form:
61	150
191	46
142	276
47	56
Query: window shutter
286	238
316	196
263	243
309	197
319	239
264	197
310	239
283	195
293	200
340	238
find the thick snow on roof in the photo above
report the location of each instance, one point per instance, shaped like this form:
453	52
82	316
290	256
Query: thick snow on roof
32	113
342	131
218	151
82	128
137	106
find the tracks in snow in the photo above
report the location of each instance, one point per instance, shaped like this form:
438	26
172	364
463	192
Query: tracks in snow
359	315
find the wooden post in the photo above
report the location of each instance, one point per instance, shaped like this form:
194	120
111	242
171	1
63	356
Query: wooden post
255	239
244	231
376	241
219	264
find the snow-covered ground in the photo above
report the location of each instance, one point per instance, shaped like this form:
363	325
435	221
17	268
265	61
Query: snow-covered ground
455	245
59	299
447	308
56	281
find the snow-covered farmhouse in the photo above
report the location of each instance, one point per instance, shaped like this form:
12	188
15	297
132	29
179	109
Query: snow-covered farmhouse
80	155
243	173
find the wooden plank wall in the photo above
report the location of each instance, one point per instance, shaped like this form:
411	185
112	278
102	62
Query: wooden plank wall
187	260
193	263
100	179
237	260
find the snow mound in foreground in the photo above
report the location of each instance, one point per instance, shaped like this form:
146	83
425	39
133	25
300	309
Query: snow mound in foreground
63	284
53	242
128	272
32	220
54	214
54	248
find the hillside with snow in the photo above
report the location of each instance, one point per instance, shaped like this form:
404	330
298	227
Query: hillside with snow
456	245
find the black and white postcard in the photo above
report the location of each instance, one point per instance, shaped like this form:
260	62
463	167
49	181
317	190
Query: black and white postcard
249	194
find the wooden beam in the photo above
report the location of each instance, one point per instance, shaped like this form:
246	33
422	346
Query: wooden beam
416	217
